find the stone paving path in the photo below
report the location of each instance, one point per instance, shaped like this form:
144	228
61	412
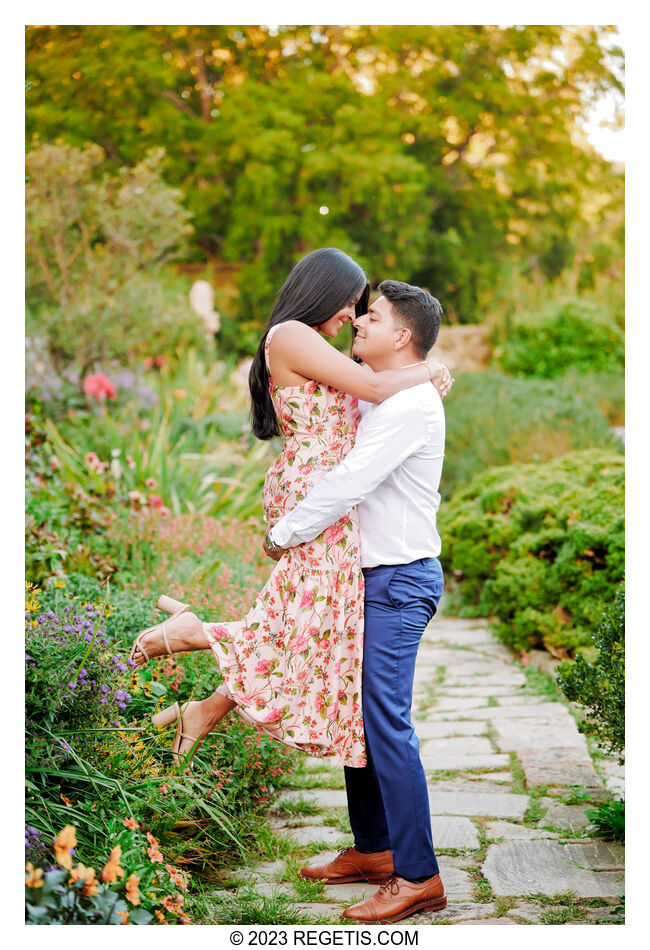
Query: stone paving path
508	821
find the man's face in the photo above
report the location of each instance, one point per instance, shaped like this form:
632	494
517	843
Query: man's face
377	333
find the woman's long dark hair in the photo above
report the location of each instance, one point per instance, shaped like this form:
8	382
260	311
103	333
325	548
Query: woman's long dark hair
320	285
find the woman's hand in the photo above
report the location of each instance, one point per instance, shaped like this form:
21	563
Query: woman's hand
440	376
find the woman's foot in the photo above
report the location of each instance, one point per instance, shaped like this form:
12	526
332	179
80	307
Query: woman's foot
194	720
181	633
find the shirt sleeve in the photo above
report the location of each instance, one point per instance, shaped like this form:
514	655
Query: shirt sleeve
387	435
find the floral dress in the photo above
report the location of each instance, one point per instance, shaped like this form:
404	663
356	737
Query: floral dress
293	664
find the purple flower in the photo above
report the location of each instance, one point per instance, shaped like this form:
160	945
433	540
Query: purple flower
105	689
88	637
27	657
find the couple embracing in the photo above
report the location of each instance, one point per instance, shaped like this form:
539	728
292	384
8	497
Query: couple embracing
324	660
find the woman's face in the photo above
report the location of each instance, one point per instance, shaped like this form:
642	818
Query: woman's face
346	315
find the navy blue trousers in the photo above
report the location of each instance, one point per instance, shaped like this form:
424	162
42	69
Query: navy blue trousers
388	801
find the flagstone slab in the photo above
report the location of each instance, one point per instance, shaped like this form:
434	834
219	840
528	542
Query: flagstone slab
344	893
505	677
563	816
308	834
272	888
332	911
553	711
529	867
460	745
466	637
461	763
559	766
454	913
475	690
268	870
454	832
521	700
487	804
509	831
532	736
439	730
455	703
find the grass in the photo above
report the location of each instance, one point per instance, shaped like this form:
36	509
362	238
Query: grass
297	806
503	904
339	819
539	683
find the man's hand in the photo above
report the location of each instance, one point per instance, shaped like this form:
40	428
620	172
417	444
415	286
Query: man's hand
274	553
270	549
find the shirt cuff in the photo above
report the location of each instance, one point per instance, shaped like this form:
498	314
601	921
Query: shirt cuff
280	535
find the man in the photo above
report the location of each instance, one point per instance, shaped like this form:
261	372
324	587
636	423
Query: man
392	475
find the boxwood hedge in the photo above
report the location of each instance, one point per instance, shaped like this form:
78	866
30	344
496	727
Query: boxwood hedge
538	547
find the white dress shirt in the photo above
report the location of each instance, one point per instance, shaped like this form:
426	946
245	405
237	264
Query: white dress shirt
392	475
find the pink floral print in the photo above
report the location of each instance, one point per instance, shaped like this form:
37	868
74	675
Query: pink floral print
293	664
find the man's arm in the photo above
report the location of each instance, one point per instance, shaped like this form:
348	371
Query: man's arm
387	435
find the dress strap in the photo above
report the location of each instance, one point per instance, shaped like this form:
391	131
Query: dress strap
267	343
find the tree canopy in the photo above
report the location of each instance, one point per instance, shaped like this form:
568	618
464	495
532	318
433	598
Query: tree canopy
435	154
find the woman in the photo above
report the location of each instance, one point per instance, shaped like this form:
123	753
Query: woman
292	666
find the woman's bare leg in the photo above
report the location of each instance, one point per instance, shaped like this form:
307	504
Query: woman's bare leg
200	717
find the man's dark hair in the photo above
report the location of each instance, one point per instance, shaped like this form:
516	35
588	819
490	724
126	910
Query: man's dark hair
416	309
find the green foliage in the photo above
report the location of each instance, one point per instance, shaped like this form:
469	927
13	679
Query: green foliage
494	419
600	685
539	547
94	246
608	819
398	130
574	335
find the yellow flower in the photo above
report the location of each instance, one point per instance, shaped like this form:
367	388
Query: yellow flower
65	840
87	875
34	877
112	869
132	892
32	605
32	588
59	583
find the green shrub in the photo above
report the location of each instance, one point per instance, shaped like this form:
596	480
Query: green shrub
600	686
574	334
608	819
494	419
539	547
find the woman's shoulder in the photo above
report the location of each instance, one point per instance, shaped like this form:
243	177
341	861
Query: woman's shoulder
291	330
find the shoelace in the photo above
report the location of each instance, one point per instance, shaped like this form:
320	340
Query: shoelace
392	883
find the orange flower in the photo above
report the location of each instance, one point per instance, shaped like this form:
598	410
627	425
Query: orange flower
175	907
124	914
161	917
130	823
132	892
112	869
87	875
155	855
33	878
178	877
65	840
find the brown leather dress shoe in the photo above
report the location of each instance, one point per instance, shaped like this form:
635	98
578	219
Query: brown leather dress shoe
397	898
351	865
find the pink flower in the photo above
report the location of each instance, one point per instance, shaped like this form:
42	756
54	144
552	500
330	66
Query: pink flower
323	644
332	711
333	534
298	643
318	703
337	666
93	462
99	386
273	716
249	635
263	666
361	762
307	599
219	631
150	483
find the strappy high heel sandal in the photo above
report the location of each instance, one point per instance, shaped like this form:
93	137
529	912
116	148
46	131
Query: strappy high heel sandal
175	714
169	606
